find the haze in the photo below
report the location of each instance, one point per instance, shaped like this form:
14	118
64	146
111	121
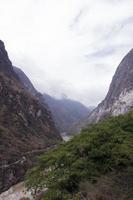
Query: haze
68	47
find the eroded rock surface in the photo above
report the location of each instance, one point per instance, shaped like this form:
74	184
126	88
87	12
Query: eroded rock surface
119	99
25	123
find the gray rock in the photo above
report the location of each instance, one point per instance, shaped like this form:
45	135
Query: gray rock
119	99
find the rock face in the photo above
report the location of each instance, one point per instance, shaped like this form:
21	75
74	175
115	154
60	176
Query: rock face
5	63
119	99
66	112
25	123
25	80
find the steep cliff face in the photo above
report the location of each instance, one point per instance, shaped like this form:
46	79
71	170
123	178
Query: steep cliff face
5	63
25	81
66	112
119	99
25	124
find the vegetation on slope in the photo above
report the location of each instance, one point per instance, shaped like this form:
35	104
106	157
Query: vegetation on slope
95	165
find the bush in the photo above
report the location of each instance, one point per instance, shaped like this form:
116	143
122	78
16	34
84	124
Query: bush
100	149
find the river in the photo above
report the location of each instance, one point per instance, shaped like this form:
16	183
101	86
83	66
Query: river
65	136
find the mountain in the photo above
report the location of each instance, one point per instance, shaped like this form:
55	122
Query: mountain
119	99
66	112
25	80
25	123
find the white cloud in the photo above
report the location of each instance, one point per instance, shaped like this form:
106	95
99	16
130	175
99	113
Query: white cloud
68	46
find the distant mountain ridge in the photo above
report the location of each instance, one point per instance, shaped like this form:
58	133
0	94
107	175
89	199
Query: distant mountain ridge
119	99
66	112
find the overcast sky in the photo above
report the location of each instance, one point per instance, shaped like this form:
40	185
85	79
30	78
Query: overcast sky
70	47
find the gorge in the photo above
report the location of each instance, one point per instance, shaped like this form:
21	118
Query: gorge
31	123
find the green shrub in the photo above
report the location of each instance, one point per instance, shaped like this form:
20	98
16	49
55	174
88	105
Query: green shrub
98	150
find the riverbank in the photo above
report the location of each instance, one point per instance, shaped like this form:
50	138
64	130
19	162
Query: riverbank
19	191
16	192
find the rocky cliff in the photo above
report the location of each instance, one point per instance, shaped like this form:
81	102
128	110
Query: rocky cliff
25	123
119	99
66	112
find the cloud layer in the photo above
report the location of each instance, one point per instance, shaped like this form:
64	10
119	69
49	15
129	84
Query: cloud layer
70	47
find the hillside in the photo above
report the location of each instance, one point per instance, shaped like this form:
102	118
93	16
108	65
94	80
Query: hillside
25	124
119	98
95	165
22	117
66	112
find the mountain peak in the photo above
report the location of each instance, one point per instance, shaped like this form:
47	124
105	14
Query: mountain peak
5	63
1	43
123	78
119	99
